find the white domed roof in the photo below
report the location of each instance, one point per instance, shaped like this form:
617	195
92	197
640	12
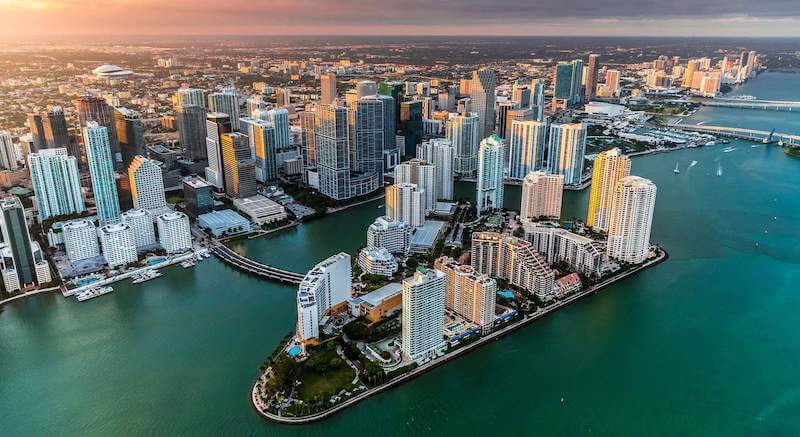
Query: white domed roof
107	68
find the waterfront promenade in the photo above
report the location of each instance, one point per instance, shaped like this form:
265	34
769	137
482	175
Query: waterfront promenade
257	403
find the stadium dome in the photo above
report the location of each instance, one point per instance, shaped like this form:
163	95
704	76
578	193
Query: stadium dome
109	70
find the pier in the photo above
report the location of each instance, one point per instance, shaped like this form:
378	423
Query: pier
229	256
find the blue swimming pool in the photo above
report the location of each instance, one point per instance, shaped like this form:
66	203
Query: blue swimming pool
508	294
154	261
86	281
455	327
294	351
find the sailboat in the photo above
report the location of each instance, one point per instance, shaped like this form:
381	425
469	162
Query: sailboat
676	171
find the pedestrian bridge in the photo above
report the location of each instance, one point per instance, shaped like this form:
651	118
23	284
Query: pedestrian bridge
243	263
746	134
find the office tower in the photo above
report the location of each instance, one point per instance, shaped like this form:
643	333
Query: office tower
238	165
392	235
541	196
8	154
691	66
190	97
503	110
327	285
421	174
328	88
512	259
261	137
174	233
490	174
406	202
612	81
568	82
54	127
446	100
439	152
468	293
515	114
521	95
410	126
591	77
558	245
609	167
463	131
280	118
565	151
197	193
80	240
631	218
23	262
94	109
537	99
147	183
283	97
423	315
389	122
191	124
141	224
526	146
482	93
119	245
308	148
331	135
393	89
101	169
226	102
366	119
56	182
366	88
217	124
36	128
131	134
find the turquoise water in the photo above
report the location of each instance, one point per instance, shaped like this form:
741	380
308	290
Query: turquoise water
294	351
155	261
508	294
706	343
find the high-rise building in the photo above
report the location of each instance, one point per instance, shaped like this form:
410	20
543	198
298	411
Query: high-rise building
366	118
526	146
691	66
131	133
174	233
36	128
632	208
541	196
609	167
510	117
328	88
389	122
558	245
56	182
591	77
23	263
8	154
217	124
421	174
191	124
308	147
238	165
101	169
463	131
503	110
326	286
423	315
392	235
366	88
190	97
512	259
331	134
482	93
410	126
521	95
53	130
565	151
568	82
147	183
537	99
491	161
226	102
80	240
439	152
94	109
198	195
612	81
406	202
141	223
261	135
119	245
468	293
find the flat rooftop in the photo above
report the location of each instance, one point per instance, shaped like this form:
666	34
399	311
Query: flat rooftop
425	236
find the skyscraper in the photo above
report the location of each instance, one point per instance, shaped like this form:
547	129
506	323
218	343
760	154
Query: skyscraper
119	244
406	202
631	218
54	126
521	95
511	115
141	223
463	131
23	263
328	88
366	119
512	259
568	82
468	293
482	93
190	97
490	174
537	99
191	124
410	126
325	286
261	135
609	167
612	81
217	124
147	184
439	152
8	154
101	169
526	147
691	66
226	102
565	152
503	110
541	196
421	174
308	147
366	88
174	232
238	165
131	134
423	315
56	182
331	135
94	109
591	77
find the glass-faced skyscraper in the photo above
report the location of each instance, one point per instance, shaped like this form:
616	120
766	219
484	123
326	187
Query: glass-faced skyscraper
226	102
101	169
95	109
331	134
22	261
565	151
56	183
491	164
463	131
482	93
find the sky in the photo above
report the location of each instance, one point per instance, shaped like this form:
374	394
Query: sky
400	17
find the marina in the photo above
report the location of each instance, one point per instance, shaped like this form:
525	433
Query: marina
92	293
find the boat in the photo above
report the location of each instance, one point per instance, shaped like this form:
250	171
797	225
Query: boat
676	171
146	276
93	292
719	169
780	143
729	149
380	206
188	263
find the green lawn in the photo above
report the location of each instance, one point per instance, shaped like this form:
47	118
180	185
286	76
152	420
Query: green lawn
322	381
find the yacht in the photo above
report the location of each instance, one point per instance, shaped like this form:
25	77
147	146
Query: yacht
676	171
188	263
92	293
146	276
719	169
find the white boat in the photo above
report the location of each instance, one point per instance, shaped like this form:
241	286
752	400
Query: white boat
676	171
719	169
188	263
729	149
92	293
146	276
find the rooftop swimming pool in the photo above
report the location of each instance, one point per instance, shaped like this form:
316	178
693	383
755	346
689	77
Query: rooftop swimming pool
294	351
154	261
508	294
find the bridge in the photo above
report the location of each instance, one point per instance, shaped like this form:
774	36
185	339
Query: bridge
745	134
767	105
228	255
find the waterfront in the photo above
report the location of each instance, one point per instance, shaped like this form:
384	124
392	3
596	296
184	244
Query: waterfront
703	344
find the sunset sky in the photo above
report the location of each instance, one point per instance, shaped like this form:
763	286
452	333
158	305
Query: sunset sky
419	17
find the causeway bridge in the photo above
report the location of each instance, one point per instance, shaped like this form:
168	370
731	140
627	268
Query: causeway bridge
766	105
229	256
745	134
